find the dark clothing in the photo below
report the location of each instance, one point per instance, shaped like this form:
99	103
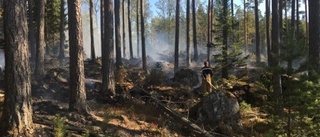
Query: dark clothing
205	71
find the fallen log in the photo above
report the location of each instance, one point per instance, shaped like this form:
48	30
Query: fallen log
181	119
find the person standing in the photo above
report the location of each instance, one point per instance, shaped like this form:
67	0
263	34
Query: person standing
207	74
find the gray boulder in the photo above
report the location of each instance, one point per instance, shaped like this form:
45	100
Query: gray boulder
218	109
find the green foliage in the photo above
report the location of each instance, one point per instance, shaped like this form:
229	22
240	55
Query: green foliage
53	19
157	75
245	106
298	111
59	126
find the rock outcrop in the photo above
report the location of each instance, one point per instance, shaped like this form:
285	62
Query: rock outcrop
220	109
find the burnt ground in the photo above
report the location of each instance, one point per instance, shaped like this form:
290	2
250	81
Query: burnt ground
123	115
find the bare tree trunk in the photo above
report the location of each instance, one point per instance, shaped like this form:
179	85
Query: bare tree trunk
77	100
176	42
138	30
188	34
93	52
245	27
306	21
123	31
314	39
276	79
209	31
257	32
102	26
108	78
130	31
293	10
298	19
268	31
143	39
16	119
39	68
32	38
194	31
118	35
62	27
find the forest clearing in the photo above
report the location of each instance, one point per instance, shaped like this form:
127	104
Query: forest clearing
163	68
132	112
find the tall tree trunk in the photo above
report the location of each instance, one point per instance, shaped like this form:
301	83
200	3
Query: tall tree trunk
298	19
188	34
276	80
130	31
176	40
118	35
209	31
102	26
138	30
62	27
32	38
306	21
77	100
280	19
194	32
232	15
245	26
256	4
225	41
143	39
123	31
293	17
314	39
268	31
93	53
39	68
16	119
108	78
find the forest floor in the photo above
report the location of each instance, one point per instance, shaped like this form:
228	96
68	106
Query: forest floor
126	116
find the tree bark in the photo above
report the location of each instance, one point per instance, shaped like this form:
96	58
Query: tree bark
130	31
314	39
32	38
77	99
16	119
118	36
268	31
123	31
257	32
108	78
93	53
176	42
306	21
293	10
102	25
188	34
143	39
209	31
39	68
276	79
62	27
138	30
194	32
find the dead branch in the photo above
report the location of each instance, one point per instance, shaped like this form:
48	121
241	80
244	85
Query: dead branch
180	118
